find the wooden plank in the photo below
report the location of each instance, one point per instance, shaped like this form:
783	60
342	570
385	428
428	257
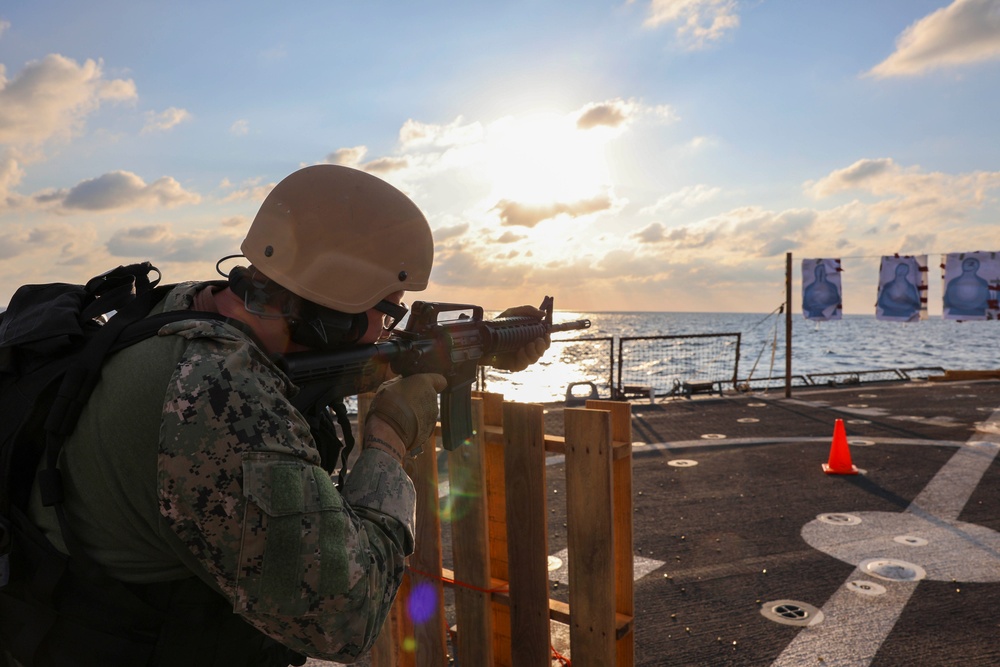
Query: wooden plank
402	626
467	475
590	519
621	431
429	631
558	611
527	547
556	444
497	513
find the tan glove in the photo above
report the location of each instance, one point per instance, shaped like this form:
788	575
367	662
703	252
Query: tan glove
529	353
409	406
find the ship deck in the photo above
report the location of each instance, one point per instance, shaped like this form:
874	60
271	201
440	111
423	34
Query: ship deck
747	553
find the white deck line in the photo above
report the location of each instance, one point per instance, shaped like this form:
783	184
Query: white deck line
855	626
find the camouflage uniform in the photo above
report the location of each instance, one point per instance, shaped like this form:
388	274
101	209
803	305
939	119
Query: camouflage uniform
233	491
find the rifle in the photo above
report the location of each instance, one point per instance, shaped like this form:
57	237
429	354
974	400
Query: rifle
453	348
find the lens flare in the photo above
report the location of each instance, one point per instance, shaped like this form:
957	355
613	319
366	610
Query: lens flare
455	505
423	600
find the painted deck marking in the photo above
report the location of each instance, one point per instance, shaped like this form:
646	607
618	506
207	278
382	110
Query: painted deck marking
855	625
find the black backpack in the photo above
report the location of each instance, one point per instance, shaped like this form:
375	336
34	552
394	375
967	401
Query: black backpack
60	610
53	341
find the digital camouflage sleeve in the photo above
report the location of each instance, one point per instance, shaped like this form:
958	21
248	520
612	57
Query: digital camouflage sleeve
241	486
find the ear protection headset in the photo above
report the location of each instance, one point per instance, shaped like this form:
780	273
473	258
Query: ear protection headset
309	324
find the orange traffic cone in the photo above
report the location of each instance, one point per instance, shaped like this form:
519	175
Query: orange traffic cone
840	454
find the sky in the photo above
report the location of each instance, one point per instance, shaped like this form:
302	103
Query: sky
620	155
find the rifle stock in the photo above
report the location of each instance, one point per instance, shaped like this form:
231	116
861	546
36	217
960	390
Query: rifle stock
453	348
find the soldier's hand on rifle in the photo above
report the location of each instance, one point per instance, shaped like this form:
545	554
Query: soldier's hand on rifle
409	407
531	352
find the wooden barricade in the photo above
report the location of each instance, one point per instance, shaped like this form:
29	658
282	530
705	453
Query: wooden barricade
500	577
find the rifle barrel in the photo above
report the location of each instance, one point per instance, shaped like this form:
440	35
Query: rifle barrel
570	326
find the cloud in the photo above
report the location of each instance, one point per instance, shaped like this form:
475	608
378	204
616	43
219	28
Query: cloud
964	32
236	221
652	233
613	113
510	237
883	177
914	201
119	190
240	128
3	27
165	120
250	190
618	113
454	265
737	235
857	175
18	240
386	165
685	198
699	22
163	243
452	231
349	157
526	215
11	174
729	260
415	134
51	97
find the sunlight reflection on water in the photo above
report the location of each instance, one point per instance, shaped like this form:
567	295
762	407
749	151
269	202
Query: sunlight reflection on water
855	343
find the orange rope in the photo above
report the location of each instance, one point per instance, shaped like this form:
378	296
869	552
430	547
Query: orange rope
428	575
556	655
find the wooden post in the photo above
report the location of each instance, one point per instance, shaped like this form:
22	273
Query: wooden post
429	634
496	480
590	518
470	537
527	547
496	494
621	435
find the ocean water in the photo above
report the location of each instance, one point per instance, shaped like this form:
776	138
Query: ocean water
856	343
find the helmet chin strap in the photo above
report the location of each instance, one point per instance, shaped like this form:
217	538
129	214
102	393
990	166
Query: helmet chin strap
322	328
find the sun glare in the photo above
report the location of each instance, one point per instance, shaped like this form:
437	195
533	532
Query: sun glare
544	158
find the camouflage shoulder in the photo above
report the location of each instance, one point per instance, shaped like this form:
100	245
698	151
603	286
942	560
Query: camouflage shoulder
203	328
181	297
232	334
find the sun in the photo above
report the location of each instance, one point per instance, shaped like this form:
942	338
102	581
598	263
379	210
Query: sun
544	158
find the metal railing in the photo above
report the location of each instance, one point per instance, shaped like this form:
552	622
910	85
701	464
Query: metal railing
677	364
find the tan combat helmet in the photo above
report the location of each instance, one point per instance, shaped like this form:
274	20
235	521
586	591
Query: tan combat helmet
340	238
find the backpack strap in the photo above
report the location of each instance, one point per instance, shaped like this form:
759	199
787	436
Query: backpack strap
127	327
